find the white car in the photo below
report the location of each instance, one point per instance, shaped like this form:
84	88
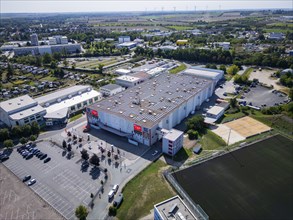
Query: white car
31	182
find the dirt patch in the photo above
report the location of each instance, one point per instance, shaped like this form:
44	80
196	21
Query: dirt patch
188	143
264	76
247	126
17	201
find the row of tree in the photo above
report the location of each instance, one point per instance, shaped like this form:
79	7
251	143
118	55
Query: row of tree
20	131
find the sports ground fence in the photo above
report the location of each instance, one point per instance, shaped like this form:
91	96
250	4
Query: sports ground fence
197	210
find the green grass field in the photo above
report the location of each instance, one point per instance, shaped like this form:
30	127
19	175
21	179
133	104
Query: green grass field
211	141
178	69
143	191
91	64
254	182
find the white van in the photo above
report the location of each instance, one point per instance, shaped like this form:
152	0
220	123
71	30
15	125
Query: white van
115	188
111	194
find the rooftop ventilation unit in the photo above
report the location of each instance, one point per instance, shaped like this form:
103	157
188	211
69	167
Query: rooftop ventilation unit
144	121
150	112
58	100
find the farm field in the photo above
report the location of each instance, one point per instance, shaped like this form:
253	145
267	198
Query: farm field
251	183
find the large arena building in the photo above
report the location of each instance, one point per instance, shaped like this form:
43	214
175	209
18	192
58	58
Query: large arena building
141	112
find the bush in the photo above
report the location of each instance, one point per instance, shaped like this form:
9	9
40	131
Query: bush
192	134
33	137
8	143
112	211
23	140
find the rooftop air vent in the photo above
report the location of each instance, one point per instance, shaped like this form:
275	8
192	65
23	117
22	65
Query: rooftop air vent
150	112
18	103
121	112
108	108
144	121
58	100
33	110
131	116
47	104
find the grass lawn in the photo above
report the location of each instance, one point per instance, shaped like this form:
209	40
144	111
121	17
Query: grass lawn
75	117
178	69
183	154
180	28
143	191
230	117
211	141
280	123
50	78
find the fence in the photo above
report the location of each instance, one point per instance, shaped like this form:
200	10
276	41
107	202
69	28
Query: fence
197	210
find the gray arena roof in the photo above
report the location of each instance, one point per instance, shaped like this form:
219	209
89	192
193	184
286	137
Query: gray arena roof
110	87
149	102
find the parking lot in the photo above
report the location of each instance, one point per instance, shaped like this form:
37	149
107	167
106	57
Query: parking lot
60	182
19	203
260	96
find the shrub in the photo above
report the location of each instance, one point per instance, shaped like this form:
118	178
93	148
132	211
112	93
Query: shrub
192	134
23	140
8	143
112	211
33	137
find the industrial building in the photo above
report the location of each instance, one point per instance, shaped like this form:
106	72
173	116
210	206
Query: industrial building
110	89
141	112
61	104
128	45
128	81
52	109
181	42
123	39
35	50
57	40
20	111
122	72
34	40
173	208
206	73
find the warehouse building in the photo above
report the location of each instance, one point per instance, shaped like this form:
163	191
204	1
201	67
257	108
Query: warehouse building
128	81
20	111
110	89
206	73
141	112
61	104
173	208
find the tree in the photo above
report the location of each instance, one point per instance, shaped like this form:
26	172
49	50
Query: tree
81	212
39	61
8	143
47	58
10	71
4	134
23	140
232	70
95	160
16	131
223	67
84	154
35	128
196	123
65	62
233	102
100	67
26	130
64	144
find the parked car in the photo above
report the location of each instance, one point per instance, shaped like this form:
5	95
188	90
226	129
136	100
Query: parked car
47	160
26	178
30	155
4	157
31	182
115	188
43	156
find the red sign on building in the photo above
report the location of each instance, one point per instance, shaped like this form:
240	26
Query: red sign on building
94	113
137	128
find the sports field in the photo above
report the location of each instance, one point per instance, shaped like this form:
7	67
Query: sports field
255	182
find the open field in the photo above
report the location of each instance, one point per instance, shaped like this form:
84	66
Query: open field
143	191
17	201
94	63
251	183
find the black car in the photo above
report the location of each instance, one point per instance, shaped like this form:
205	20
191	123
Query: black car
47	159
4	157
43	156
85	165
39	154
29	156
26	178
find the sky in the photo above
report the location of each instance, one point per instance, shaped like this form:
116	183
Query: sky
20	6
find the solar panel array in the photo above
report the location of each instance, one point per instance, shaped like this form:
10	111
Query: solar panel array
152	100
